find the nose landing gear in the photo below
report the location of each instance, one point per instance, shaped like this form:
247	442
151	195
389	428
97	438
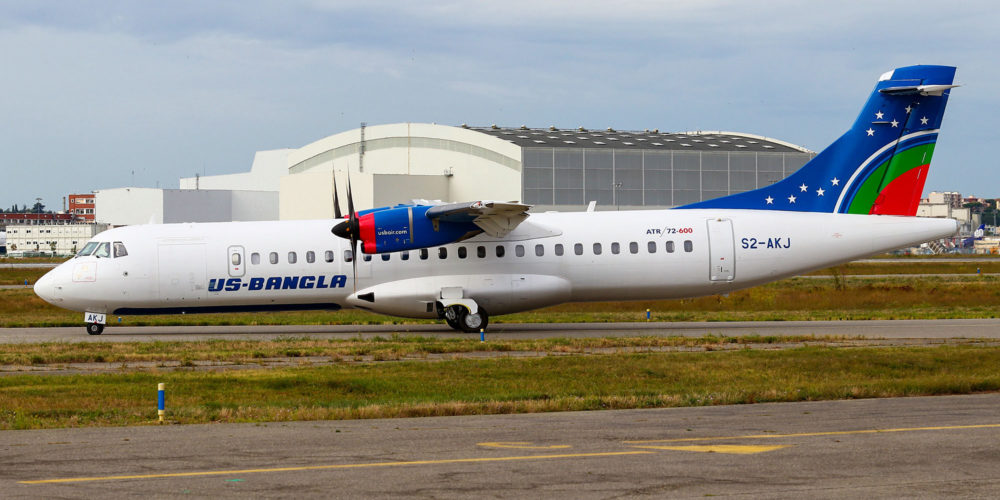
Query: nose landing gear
95	328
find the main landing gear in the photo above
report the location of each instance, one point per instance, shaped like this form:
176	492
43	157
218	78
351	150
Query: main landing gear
95	328
458	317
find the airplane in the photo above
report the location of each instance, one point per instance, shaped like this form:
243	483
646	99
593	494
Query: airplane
466	262
976	236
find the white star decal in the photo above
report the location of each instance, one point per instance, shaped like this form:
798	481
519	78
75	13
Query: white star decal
870	132
894	124
835	181
819	192
791	199
908	109
878	116
803	187
769	200
923	121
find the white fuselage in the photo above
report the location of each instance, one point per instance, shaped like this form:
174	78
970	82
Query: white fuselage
175	268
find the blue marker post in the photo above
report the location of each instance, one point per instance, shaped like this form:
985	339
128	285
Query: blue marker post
25	282
647	314
482	335
161	400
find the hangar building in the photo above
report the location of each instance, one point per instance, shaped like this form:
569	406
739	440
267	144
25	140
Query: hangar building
550	168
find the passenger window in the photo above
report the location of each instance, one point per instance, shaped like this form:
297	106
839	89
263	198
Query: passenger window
559	249
578	248
292	258
519	250
670	246
236	260
597	249
539	250
120	249
328	256
501	250
688	246
273	257
310	256
255	258
423	254
651	247
366	257
103	250
481	252
633	247
405	255
348	255
442	253
385	257
462	252
615	248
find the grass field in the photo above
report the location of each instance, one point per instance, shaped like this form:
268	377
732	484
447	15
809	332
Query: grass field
503	385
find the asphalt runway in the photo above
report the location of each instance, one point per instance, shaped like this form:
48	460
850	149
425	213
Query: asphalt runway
929	447
888	329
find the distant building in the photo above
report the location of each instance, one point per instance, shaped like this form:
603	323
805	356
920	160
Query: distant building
35	219
81	206
63	239
951	198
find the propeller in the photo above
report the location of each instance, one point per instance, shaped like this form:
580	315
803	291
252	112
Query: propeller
349	229
336	200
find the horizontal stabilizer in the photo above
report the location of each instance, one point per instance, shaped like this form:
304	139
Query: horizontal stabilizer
935	90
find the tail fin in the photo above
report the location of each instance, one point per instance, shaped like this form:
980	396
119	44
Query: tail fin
878	166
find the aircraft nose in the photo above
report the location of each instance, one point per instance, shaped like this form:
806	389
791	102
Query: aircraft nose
45	287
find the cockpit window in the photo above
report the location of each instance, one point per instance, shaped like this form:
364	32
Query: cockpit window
120	249
103	250
87	249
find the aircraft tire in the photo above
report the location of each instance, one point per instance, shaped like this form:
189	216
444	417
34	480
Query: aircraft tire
472	323
95	329
453	323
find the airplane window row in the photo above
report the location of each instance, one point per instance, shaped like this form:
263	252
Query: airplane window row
463	252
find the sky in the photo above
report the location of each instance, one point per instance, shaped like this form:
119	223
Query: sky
108	94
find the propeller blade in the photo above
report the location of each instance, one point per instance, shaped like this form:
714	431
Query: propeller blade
355	229
336	200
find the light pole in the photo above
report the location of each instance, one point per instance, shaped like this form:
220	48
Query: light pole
618	186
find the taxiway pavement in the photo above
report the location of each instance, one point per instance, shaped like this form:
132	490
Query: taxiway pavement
889	329
927	447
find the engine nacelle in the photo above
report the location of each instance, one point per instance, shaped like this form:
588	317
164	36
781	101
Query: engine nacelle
408	228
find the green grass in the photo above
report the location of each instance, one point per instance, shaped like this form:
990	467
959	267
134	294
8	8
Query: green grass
393	347
504	385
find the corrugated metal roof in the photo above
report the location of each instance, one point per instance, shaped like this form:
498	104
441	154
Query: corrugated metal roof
643	139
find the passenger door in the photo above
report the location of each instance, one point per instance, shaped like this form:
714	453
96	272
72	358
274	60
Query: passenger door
722	250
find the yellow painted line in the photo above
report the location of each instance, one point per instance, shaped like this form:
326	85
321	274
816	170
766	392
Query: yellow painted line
522	445
337	466
732	449
813	434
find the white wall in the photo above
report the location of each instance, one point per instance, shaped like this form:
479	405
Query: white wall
390	189
129	206
265	173
255	205
310	195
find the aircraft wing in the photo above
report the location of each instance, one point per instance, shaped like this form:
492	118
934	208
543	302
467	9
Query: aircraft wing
493	217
